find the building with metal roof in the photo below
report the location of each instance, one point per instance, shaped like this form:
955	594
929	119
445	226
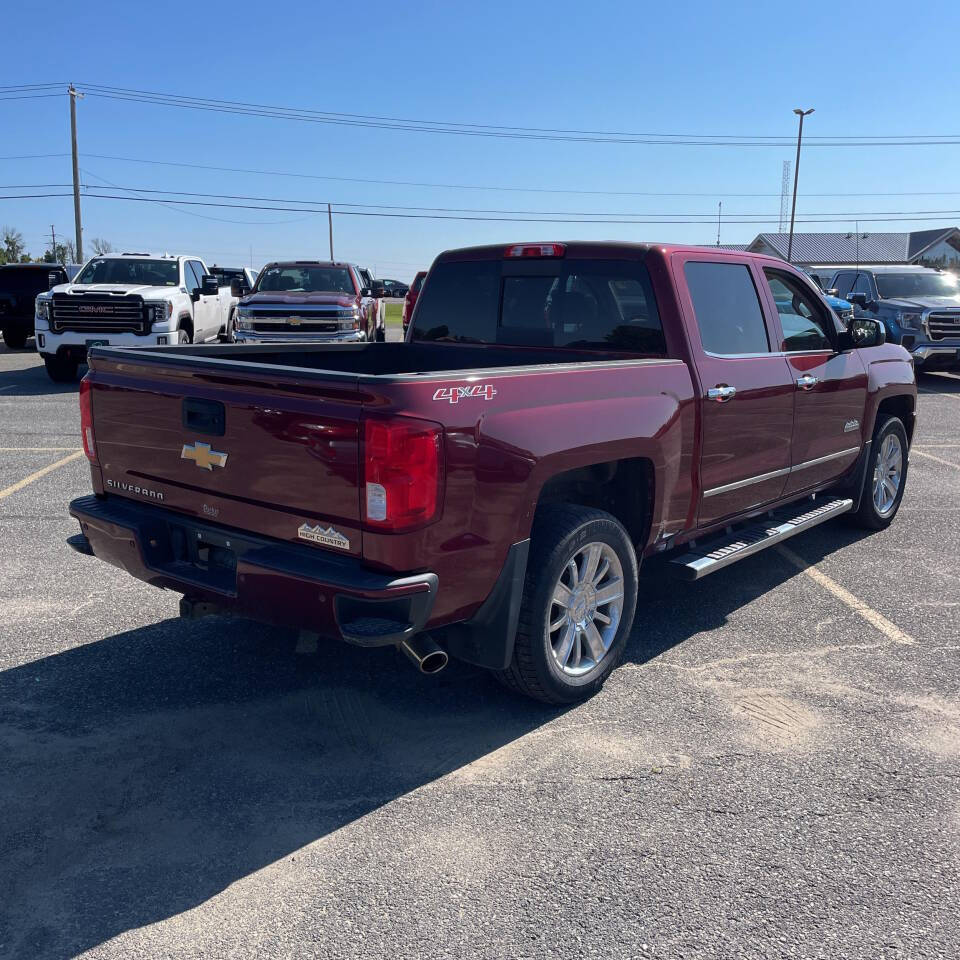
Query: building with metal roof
938	248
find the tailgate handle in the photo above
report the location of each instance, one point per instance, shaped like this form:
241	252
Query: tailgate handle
204	416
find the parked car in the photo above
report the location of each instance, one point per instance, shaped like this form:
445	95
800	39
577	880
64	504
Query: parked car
410	300
842	308
20	283
311	301
395	289
487	489
918	306
245	278
128	299
369	282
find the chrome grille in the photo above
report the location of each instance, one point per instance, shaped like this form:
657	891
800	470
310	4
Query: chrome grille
103	314
944	326
276	325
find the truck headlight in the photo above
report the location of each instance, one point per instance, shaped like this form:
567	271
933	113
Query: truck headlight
349	319
243	318
43	310
160	311
910	321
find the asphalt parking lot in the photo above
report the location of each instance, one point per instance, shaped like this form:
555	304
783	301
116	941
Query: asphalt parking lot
774	772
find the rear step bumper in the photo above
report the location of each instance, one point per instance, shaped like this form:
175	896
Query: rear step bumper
245	575
720	551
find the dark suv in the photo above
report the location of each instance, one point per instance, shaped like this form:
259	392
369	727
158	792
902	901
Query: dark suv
919	306
19	285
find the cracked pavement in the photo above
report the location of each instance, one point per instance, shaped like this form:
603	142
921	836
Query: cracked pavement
769	774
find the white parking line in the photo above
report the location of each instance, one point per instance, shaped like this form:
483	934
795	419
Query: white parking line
873	617
930	456
44	449
20	484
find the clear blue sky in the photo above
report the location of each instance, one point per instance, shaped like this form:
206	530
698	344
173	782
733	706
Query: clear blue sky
688	68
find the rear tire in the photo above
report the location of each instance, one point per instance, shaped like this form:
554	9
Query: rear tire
61	369
570	662
381	335
14	339
886	476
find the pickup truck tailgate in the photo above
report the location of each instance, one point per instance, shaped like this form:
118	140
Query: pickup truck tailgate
263	452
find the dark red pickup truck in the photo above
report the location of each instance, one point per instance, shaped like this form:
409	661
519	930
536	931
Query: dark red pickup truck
488	488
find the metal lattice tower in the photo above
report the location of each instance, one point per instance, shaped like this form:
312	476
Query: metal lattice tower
785	195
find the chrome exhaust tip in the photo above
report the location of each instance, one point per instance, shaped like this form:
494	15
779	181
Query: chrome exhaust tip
425	653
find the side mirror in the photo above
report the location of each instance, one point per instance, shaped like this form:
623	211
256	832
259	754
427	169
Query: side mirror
209	286
366	292
237	289
859	299
833	292
862	332
379	290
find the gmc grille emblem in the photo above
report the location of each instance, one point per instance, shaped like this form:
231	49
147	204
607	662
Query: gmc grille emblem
88	309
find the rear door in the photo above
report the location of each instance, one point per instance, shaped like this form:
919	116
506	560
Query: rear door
830	387
746	391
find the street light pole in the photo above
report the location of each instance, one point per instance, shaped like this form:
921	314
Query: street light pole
796	176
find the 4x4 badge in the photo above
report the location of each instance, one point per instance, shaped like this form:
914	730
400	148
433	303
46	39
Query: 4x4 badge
203	456
455	394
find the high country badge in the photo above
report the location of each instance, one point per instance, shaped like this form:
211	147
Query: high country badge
328	537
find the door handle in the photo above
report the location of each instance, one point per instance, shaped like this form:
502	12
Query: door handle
721	393
807	382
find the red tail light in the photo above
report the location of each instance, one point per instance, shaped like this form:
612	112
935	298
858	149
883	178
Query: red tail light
402	471
536	250
86	420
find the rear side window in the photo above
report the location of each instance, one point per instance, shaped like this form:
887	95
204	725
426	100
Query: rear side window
727	308
583	304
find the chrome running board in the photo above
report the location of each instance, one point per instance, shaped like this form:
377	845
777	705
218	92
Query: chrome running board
721	550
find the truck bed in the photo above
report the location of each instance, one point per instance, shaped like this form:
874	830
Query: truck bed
380	359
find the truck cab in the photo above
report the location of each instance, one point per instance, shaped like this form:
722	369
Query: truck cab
918	306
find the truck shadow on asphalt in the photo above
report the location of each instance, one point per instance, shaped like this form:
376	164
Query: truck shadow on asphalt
145	773
31	381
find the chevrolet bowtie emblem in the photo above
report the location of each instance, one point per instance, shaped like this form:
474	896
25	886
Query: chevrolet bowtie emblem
203	456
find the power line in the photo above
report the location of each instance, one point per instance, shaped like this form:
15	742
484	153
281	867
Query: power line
905	217
711	194
308	115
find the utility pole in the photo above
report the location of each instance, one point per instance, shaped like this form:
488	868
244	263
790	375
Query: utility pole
53	242
796	176
719	211
76	169
330	221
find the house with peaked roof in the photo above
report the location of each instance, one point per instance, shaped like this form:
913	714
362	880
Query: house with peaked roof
934	248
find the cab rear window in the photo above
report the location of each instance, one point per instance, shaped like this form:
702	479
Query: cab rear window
583	304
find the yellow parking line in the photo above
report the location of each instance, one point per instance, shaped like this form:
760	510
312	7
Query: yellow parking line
930	456
38	474
873	617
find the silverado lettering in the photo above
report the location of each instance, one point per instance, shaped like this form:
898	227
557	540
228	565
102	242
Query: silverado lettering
679	405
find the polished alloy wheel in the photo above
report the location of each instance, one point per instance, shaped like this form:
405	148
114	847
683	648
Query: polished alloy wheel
887	474
585	609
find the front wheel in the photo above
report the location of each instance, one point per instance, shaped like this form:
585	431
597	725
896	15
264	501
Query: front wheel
886	476
579	599
61	369
183	336
14	339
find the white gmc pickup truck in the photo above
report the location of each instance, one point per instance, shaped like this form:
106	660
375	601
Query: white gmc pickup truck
129	299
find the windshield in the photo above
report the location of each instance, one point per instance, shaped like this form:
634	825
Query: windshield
294	279
897	286
585	304
151	273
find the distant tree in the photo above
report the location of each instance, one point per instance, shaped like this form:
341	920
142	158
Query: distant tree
71	251
101	246
58	255
11	246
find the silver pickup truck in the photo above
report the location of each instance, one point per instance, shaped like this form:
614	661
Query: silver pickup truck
311	301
